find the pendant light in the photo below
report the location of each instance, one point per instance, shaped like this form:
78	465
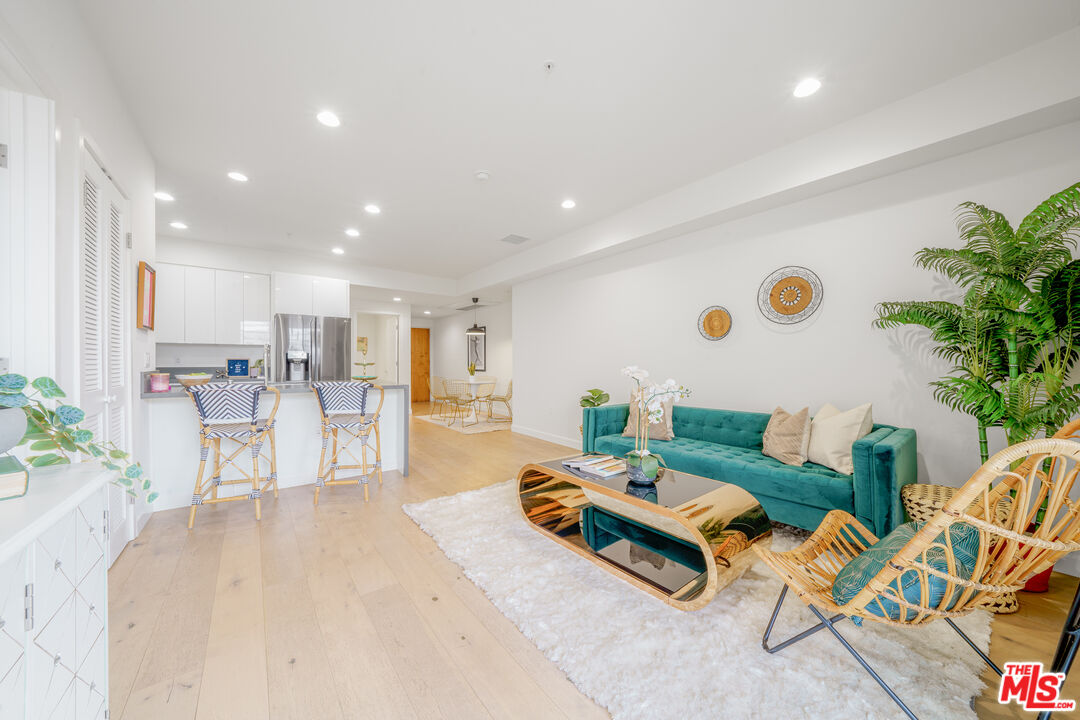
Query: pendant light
475	329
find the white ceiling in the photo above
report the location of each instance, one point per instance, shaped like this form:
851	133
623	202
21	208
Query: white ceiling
644	97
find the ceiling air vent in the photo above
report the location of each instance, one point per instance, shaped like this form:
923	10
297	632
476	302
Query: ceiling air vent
514	239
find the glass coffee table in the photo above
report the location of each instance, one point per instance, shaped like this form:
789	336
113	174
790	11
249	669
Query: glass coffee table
682	540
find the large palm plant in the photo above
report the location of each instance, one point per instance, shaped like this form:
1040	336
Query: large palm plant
1014	338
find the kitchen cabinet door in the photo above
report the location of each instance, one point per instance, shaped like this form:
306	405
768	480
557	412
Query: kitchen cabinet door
199	325
292	294
169	303
330	297
228	307
256	309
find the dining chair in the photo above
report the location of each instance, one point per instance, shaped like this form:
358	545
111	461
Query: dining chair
343	410
505	399
946	567
484	391
438	394
230	412
460	400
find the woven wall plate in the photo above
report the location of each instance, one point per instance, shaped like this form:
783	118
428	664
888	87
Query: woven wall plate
714	322
790	295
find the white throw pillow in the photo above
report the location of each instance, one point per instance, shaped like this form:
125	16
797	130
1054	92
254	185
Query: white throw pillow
832	433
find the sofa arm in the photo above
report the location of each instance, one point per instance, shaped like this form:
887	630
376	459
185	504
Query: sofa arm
885	461
599	421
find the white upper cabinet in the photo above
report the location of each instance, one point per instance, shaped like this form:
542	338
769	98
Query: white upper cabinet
169	303
199	305
229	307
293	294
310	295
256	309
330	298
206	306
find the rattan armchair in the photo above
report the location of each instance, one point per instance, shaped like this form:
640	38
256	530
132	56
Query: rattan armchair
923	500
1008	552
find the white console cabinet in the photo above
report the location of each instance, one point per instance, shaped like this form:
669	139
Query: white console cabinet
54	598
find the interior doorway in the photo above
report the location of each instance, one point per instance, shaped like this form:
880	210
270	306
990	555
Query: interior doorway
375	356
421	364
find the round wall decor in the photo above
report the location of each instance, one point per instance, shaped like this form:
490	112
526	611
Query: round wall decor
790	295
714	322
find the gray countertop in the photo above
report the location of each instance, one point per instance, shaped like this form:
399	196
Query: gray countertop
177	390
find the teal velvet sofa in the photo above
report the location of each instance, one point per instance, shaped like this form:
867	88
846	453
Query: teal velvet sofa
725	445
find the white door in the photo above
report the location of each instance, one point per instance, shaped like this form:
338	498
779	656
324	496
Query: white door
104	392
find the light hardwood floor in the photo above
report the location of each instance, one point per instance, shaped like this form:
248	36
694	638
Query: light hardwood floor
350	611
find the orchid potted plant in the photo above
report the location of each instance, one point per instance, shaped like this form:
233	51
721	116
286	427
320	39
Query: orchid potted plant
642	467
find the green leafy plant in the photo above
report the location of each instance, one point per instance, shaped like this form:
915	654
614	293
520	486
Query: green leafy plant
1013	339
594	398
54	432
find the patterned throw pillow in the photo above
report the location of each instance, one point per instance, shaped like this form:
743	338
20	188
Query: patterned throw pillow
856	574
787	436
662	430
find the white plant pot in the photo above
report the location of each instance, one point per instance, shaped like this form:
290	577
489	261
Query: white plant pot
12	427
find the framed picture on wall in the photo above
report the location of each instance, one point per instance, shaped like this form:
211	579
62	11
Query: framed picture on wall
476	349
144	313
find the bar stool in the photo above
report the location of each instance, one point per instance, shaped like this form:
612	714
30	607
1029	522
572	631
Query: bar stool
343	407
231	412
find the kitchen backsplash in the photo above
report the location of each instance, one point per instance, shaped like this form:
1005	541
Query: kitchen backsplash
185	355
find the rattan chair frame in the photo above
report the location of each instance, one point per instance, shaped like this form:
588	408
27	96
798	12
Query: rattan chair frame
338	439
253	442
1037	474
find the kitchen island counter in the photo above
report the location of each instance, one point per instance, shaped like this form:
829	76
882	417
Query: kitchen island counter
174	432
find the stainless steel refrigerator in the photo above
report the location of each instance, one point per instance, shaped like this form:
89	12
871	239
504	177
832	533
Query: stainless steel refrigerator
309	348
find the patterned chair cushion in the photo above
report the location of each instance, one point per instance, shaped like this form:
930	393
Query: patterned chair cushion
219	403
856	574
337	397
235	430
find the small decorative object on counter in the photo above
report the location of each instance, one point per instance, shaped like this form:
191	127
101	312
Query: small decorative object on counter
642	467
192	379
159	382
55	434
237	367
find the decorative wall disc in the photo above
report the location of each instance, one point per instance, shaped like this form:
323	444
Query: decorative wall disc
790	295
714	322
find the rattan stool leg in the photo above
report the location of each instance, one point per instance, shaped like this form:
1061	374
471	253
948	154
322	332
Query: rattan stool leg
256	492
378	452
204	449
321	476
273	459
215	472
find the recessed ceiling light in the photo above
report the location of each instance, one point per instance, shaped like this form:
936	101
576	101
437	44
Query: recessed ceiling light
568	204
427	312
397	299
338	251
352	232
328	118
164	196
482	175
807	87
373	209
178	225
238	176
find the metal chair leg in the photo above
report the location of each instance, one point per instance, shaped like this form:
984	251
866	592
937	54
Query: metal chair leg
827	623
974	647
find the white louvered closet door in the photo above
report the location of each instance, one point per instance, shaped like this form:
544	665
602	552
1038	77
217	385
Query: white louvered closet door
103	325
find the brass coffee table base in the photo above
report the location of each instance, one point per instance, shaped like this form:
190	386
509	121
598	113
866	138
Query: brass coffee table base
682	541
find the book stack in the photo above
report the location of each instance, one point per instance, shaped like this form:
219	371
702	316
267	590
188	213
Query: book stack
599	466
13	478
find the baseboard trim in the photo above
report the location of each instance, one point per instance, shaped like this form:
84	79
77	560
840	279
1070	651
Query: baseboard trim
550	437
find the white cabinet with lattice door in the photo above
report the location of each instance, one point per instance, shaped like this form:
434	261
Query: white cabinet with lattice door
54	596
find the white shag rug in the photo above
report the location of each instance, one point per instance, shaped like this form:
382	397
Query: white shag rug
640	658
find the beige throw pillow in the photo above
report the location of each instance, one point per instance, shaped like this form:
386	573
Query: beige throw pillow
662	430
787	436
833	432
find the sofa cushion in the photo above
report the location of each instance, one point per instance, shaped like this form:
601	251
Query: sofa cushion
758	474
854	576
725	427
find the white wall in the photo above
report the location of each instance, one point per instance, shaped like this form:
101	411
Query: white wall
448	357
398	311
55	52
193	355
573	330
